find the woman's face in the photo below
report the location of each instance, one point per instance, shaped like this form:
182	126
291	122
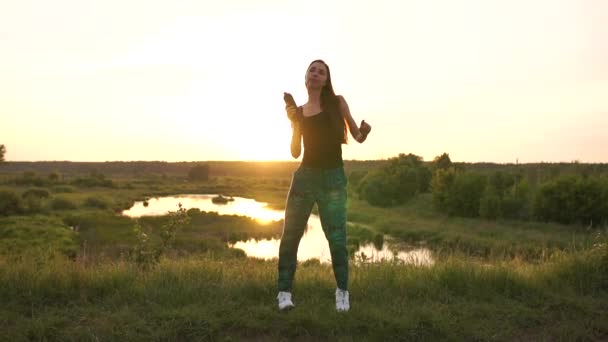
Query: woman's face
316	75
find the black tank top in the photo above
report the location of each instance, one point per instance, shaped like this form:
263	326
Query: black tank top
322	148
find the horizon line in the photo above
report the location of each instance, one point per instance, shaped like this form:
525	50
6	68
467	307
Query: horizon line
291	161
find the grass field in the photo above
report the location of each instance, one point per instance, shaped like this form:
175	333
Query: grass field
492	280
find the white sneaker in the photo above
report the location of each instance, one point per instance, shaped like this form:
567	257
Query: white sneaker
285	302
342	302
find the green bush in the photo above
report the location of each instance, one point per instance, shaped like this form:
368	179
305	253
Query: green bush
572	199
10	203
355	178
96	202
464	196
490	206
60	203
53	177
38	193
440	186
93	180
403	178
505	197
378	189
516	202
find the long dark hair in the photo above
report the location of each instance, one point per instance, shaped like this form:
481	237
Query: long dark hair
329	104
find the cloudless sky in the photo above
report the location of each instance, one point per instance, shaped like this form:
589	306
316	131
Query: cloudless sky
483	80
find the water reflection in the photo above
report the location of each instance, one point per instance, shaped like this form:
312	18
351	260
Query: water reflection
369	253
313	245
240	206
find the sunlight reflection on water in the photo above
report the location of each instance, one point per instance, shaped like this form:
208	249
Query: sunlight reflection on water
313	245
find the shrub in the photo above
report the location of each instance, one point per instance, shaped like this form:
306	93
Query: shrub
572	199
10	203
403	178
60	203
93	180
440	186
37	193
490	206
464	196
378	189
505	197
355	177
96	202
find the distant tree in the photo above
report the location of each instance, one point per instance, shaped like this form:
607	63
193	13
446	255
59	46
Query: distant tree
199	173
404	177
409	160
464	196
441	183
490	206
573	199
442	162
380	189
2	152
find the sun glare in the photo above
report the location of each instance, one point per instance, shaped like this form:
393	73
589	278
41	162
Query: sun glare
263	141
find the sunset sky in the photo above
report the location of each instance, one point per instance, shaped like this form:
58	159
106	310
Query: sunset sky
483	80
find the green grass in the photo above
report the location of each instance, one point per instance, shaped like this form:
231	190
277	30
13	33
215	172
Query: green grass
233	298
417	223
492	280
20	234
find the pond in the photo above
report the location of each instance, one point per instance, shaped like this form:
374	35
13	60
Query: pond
312	246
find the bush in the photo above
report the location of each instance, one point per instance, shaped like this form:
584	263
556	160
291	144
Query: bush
10	203
516	203
403	178
490	206
53	177
378	189
464	196
505	197
36	193
96	202
355	178
93	180
572	199
34	200
60	203
440	186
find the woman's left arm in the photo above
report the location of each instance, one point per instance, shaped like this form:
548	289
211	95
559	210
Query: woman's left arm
358	133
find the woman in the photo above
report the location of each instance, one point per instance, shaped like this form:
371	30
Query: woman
323	123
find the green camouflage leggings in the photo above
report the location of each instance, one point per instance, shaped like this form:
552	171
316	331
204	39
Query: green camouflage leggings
328	189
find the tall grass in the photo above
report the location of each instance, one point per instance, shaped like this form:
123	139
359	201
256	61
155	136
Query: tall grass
205	297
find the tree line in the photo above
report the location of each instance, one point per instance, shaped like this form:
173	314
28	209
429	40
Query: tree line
570	194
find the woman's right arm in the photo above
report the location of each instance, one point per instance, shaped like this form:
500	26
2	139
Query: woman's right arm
296	139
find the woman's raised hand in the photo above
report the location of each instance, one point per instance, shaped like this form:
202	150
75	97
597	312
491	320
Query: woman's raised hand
293	112
365	128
